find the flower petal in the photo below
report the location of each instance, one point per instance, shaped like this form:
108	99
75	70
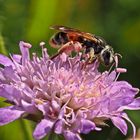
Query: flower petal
24	47
87	126
28	107
9	114
120	124
63	95
16	58
59	127
124	115
123	87
4	60
10	93
135	105
42	129
71	136
10	74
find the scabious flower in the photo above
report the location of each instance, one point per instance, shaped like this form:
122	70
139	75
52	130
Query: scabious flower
61	96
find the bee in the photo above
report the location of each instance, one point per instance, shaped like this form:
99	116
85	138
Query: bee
92	47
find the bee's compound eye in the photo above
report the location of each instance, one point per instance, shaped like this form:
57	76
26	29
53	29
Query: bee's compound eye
106	58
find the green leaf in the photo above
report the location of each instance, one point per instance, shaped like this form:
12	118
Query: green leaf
2	45
42	15
27	130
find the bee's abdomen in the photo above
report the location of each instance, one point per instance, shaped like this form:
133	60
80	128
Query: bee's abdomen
60	38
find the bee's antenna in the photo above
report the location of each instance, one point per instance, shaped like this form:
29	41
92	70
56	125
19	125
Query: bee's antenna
116	55
118	70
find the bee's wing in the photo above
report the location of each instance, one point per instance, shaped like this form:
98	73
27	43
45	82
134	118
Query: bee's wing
65	29
74	31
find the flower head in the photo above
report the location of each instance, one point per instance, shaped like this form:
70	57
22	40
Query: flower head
62	96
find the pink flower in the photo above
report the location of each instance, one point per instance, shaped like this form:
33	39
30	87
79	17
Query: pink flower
62	96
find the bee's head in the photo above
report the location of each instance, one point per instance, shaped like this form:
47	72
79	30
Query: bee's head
107	55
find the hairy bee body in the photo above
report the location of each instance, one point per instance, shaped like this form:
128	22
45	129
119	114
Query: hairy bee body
95	46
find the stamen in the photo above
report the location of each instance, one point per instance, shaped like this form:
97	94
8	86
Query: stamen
26	45
121	70
42	44
110	69
117	77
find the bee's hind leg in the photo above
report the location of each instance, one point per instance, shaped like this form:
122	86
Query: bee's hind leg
66	48
89	57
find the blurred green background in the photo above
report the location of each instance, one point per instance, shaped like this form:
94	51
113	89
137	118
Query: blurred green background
118	21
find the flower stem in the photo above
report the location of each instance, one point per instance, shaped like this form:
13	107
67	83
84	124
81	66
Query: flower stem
2	45
27	130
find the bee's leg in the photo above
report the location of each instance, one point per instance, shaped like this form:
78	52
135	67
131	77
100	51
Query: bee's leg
91	55
116	57
85	54
90	58
88	55
54	56
66	48
87	62
77	47
115	63
84	57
